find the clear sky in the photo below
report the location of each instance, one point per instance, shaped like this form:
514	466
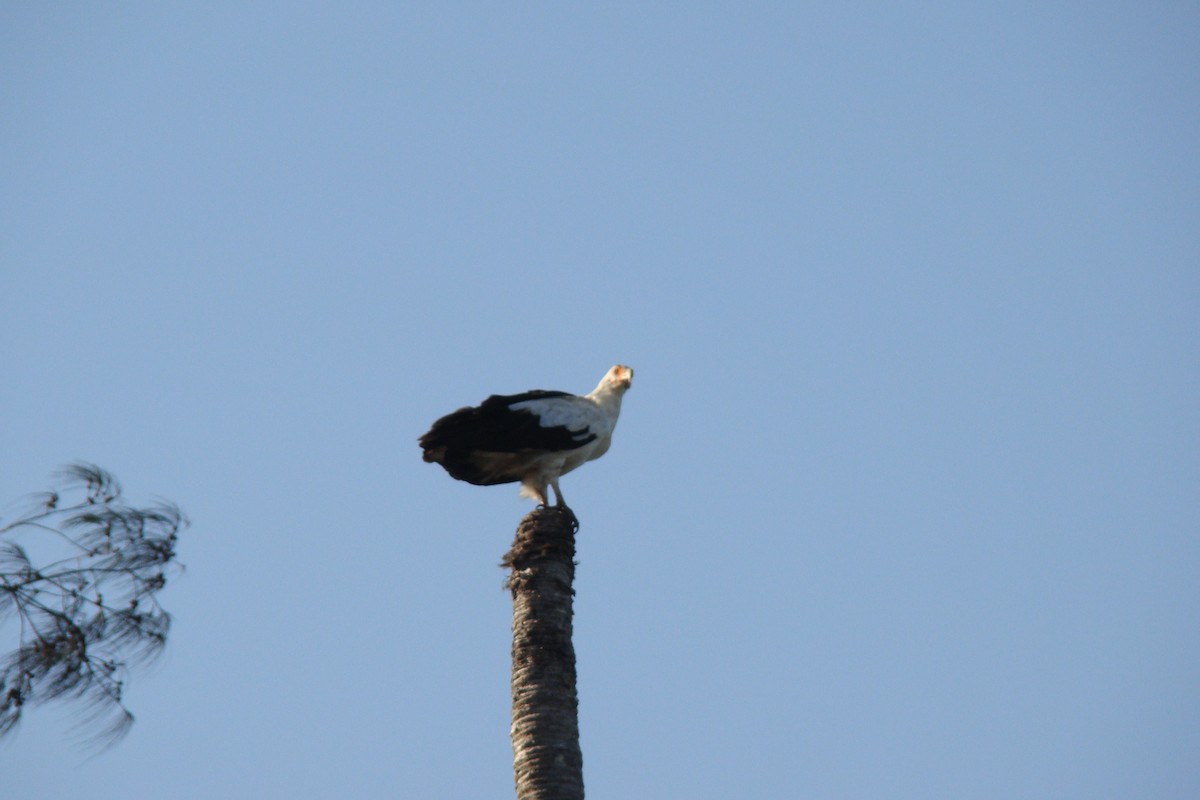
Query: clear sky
904	501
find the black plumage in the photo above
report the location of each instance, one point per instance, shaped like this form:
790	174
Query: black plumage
456	440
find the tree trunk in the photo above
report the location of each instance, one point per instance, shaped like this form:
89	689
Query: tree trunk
547	762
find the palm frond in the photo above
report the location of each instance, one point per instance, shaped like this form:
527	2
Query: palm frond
86	618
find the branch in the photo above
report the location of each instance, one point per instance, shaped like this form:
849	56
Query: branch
87	617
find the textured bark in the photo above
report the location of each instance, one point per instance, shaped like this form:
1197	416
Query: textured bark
547	762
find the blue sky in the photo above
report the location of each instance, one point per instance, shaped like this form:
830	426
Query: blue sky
902	503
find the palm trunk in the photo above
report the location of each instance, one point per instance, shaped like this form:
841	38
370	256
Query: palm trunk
547	762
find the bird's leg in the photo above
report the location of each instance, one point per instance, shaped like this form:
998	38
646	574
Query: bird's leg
535	490
561	505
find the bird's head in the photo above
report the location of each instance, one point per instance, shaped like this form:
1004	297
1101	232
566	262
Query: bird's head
619	377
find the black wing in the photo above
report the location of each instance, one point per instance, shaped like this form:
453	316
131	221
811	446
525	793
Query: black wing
495	427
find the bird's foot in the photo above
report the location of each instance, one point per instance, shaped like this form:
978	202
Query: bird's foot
563	508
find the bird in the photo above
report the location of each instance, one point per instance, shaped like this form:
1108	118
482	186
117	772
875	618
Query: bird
534	437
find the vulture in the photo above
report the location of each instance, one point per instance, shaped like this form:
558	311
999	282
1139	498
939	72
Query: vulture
534	437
